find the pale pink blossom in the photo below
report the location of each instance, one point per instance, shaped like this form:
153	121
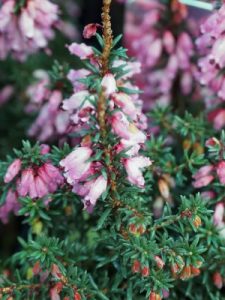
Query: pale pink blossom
126	130
75	75
81	50
203	177
134	168
77	100
164	44
29	29
91	191
218	216
125	102
76	164
109	84
12	170
211	46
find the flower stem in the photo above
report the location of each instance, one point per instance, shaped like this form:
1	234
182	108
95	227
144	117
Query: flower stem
107	35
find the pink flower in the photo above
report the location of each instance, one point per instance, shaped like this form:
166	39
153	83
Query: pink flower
29	29
91	191
50	177
90	30
76	164
212	45
203	176
75	75
5	94
159	262
217	117
39	91
125	102
220	170
26	183
169	41
11	205
94	190
12	170
126	130
218	214
77	100
40	181
109	84
81	50
134	166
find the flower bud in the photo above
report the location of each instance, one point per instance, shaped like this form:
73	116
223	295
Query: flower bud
195	271
163	188
141	229
198	148
186	144
175	269
197	221
159	262
186	273
77	296
218	280
90	30
154	296
136	267
145	271
132	228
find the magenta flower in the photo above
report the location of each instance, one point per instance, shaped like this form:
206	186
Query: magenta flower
90	30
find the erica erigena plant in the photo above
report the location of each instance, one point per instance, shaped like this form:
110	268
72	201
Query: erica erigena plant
105	215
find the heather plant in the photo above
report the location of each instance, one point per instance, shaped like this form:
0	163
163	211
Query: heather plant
117	203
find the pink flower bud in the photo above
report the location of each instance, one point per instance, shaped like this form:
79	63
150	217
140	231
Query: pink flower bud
12	170
90	30
159	262
218	280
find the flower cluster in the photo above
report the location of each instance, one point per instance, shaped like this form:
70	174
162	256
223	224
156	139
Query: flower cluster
26	26
30	179
124	115
52	122
211	45
153	34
